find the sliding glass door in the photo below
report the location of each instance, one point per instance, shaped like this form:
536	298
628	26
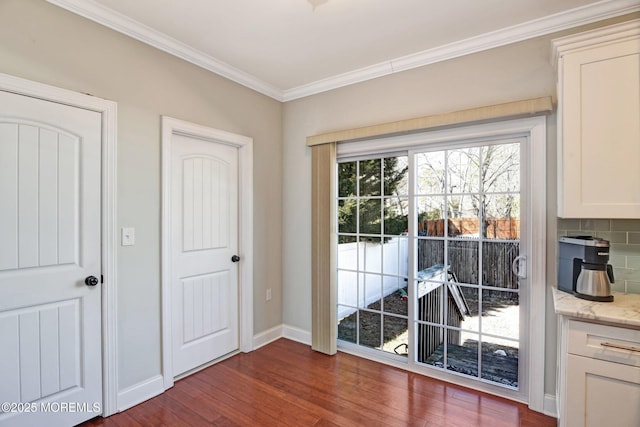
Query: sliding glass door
427	242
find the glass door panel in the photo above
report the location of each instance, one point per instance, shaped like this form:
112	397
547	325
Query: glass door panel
373	206
467	236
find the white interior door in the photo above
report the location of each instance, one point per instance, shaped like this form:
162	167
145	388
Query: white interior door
204	235
50	320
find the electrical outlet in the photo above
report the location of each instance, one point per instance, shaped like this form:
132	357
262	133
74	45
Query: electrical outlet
269	294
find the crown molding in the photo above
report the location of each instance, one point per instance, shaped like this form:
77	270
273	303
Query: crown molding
550	24
612	33
116	21
539	27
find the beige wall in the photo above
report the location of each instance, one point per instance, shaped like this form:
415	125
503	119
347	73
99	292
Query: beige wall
44	43
511	73
515	72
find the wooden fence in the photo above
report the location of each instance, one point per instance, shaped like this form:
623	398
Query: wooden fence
494	228
497	258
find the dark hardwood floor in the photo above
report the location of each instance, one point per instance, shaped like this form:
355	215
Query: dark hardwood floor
287	384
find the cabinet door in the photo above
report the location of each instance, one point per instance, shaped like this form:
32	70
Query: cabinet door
599	138
602	393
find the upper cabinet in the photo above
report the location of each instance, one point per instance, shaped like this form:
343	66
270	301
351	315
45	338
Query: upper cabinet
599	122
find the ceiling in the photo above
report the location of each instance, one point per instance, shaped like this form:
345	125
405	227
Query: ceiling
288	49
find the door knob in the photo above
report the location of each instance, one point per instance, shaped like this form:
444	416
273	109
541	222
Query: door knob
91	281
235	258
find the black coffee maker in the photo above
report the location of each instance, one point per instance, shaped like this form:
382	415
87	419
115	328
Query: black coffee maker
583	268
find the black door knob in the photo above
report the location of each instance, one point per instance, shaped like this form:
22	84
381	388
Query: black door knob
91	281
235	258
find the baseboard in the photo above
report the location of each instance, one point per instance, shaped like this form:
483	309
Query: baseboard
264	338
281	331
296	334
550	405
138	393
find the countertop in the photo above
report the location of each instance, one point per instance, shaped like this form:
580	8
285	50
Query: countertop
623	311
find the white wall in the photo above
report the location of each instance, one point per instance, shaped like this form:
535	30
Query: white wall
44	43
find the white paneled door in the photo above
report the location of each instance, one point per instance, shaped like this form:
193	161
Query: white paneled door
50	318
204	235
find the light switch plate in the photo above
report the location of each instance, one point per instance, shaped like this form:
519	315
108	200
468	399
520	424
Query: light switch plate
128	236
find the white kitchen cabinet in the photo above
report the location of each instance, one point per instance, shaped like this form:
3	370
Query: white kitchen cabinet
599	375
599	122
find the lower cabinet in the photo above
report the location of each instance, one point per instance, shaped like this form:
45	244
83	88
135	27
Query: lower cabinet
602	393
598	375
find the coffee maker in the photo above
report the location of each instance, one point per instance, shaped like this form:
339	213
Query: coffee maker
583	268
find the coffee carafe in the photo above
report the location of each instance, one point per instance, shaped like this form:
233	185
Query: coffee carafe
584	269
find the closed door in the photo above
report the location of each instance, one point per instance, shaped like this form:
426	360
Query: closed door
50	320
204	236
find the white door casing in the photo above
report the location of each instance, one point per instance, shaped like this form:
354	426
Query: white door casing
50	320
206	195
106	194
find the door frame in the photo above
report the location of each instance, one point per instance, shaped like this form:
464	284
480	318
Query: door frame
109	235
244	144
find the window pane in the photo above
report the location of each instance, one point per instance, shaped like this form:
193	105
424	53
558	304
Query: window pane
348	252
396	218
430	253
370	253
462	307
346	179
370	177
430	173
370	216
347	288
395	256
502	216
463	260
396	295
500	314
497	260
430	307
396	176
370	329
472	298
462	355
501	168
370	290
431	213
500	363
347	216
395	335
430	340
463	215
463	170
347	324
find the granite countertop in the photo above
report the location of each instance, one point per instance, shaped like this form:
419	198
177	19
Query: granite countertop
624	310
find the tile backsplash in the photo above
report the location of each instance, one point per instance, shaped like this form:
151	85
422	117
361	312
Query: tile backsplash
624	237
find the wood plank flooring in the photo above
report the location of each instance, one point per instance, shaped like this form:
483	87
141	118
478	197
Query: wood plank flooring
288	384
